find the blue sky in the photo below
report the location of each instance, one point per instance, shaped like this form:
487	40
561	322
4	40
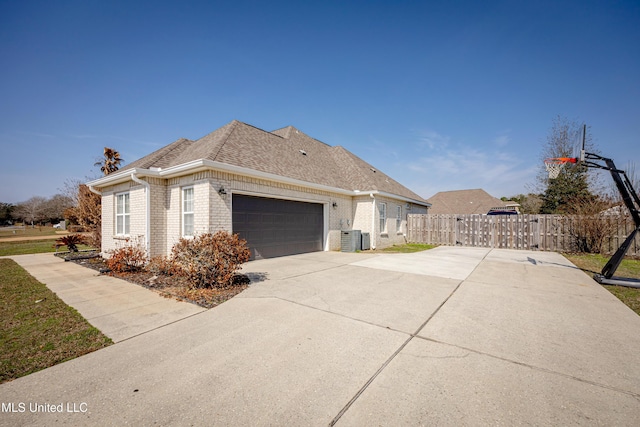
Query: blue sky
439	95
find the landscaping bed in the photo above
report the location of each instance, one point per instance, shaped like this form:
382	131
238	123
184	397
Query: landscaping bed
168	286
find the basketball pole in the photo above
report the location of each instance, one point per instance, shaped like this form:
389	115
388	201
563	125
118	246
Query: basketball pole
631	201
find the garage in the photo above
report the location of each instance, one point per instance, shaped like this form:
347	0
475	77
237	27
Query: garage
276	227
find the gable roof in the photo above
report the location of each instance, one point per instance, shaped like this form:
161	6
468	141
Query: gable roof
285	152
462	202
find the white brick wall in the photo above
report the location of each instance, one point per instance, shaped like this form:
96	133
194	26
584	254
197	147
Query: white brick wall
137	212
212	211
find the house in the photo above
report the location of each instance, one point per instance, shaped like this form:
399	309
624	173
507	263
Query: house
282	191
464	202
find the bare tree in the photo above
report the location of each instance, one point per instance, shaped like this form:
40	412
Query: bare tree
574	184
591	223
30	211
87	213
53	209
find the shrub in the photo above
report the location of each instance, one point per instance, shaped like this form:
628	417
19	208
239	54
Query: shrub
71	241
210	260
127	258
162	266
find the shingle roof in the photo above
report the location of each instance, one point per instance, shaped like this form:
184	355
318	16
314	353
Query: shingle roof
462	202
286	152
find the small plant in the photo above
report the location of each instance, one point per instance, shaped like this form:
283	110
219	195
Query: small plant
210	260
127	258
162	266
71	241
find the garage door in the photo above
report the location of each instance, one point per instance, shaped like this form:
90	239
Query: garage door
275	227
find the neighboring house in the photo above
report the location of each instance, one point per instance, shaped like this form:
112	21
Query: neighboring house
463	202
282	191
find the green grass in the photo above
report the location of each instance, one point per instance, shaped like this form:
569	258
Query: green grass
31	247
593	263
27	232
37	329
408	248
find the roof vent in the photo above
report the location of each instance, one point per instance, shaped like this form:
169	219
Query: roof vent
304	153
372	170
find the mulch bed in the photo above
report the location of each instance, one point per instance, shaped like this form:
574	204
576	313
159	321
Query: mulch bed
168	286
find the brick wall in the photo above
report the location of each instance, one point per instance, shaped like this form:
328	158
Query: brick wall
212	210
158	241
137	212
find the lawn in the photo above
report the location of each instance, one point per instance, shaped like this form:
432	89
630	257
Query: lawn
31	247
408	248
37	329
593	263
27	231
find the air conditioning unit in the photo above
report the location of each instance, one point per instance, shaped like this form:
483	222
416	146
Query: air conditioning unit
350	241
366	241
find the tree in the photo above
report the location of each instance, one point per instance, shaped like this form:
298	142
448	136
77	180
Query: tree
565	194
88	214
30	211
111	161
54	208
5	212
572	186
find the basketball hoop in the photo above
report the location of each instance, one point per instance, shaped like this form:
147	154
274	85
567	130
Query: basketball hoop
554	165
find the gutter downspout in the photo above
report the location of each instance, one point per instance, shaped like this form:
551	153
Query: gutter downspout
147	218
373	221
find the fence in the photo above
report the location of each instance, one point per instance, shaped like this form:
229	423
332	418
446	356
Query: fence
533	232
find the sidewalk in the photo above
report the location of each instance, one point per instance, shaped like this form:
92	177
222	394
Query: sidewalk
119	309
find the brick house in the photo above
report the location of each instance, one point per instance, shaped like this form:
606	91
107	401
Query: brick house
283	191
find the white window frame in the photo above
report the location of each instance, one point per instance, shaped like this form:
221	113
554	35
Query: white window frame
123	218
185	211
399	219
382	209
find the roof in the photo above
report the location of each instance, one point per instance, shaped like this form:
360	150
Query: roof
285	152
462	202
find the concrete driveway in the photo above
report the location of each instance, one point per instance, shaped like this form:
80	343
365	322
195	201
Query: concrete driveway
451	336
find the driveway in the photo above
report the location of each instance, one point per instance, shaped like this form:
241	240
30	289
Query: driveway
451	336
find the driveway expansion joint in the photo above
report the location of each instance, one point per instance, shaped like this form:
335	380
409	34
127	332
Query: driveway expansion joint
536	368
377	325
393	356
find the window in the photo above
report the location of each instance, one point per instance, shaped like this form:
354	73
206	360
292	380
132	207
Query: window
383	217
399	219
187	211
122	214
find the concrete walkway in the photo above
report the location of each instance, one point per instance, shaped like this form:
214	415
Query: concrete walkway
466	337
119	309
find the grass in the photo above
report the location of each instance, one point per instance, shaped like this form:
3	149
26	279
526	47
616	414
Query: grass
37	329
408	248
593	263
27	232
31	247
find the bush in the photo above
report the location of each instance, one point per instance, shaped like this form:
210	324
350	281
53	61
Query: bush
210	260
592	224
71	241
162	266
127	258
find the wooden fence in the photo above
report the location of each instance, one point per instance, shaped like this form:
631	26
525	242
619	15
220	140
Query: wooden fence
532	232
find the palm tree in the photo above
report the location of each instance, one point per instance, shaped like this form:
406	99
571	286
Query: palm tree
111	161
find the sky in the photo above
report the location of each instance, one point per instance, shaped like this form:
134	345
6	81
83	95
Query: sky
440	95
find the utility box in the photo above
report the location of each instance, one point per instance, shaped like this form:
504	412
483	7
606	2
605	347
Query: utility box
350	241
366	242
